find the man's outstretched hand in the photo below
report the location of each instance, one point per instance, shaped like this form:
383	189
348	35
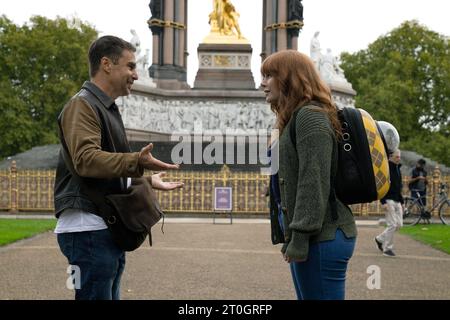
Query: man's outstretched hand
157	183
151	163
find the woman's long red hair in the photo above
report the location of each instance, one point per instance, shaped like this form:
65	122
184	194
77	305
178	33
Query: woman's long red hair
299	82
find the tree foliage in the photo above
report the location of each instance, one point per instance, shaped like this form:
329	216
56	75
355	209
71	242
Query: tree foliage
403	78
42	64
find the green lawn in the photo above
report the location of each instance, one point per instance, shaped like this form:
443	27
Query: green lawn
16	229
435	235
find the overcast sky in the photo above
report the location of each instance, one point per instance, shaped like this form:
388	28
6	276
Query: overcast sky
344	25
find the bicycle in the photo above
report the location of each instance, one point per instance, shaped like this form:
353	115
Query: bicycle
415	211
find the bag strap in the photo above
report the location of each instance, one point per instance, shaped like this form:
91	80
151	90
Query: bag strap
293	135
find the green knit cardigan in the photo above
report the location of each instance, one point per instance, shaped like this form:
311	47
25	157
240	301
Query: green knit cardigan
304	180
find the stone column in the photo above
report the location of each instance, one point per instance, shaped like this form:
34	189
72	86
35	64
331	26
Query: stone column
294	42
185	53
282	41
270	17
156	49
181	34
294	22
168	33
282	21
156	25
168	25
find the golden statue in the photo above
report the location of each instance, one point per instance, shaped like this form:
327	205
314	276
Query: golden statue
224	21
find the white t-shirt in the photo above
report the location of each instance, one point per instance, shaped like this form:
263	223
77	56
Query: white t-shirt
74	220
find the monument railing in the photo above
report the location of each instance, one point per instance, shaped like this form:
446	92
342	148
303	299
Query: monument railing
32	191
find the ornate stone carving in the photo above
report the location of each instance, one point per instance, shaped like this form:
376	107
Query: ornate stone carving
343	100
224	61
169	116
206	61
243	62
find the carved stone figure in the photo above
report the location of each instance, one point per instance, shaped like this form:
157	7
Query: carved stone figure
142	61
327	66
156	9
315	53
340	75
330	69
295	11
136	42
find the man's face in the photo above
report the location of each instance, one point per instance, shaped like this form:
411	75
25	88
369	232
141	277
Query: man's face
396	158
123	74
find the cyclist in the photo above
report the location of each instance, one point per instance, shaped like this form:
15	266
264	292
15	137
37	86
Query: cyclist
393	206
418	182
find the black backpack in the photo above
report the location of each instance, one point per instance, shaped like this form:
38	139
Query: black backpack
363	169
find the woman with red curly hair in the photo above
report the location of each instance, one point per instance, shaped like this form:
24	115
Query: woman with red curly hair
319	231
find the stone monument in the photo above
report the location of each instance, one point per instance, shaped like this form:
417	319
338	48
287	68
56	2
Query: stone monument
329	69
224	55
142	62
224	98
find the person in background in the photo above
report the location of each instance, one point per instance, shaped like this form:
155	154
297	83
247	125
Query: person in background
418	182
393	205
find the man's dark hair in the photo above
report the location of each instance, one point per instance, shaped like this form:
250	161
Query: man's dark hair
422	162
106	46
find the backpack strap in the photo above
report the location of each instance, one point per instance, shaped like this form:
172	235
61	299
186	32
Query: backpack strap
293	135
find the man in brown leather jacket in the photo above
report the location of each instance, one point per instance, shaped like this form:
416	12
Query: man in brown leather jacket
100	157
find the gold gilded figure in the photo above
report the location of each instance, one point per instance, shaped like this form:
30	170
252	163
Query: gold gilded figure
224	19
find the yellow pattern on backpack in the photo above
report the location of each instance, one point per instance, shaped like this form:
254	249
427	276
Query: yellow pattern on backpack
378	153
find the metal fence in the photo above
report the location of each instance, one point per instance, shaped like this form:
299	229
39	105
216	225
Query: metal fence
32	191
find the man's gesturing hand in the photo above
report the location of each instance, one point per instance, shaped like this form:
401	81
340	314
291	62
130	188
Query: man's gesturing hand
157	182
151	163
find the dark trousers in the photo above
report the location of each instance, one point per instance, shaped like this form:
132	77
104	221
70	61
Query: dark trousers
422	195
99	260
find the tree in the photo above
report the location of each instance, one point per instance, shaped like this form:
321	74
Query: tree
42	64
403	78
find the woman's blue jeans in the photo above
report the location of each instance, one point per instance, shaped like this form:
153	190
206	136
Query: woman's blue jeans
322	276
100	261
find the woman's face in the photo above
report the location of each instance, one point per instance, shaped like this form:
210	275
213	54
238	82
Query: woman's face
270	88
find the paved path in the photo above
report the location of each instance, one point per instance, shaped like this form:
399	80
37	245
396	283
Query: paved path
218	261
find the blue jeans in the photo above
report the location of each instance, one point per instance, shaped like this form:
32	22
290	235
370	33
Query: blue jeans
100	260
322	276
